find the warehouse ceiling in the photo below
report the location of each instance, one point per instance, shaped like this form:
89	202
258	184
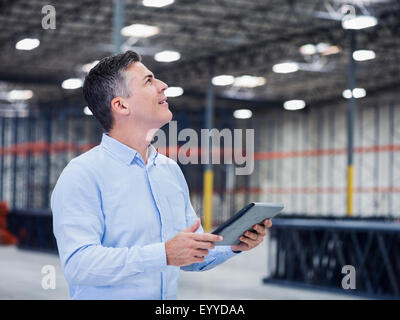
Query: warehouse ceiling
237	37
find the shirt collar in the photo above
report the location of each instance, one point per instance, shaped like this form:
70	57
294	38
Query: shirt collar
152	154
123	152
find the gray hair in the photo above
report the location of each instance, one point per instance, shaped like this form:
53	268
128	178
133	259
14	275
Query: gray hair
107	80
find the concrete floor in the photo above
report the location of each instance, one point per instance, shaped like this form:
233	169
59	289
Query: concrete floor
21	277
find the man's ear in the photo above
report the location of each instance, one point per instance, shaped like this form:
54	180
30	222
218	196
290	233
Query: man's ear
119	106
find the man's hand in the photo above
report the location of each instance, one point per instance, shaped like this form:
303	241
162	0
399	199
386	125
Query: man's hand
251	239
188	247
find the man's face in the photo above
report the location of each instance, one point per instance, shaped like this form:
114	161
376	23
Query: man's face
147	101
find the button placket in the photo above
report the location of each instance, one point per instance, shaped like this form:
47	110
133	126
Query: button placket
163	235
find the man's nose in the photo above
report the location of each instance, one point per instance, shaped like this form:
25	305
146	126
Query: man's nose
162	86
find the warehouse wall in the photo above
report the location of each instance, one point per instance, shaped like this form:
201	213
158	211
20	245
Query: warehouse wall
35	149
304	159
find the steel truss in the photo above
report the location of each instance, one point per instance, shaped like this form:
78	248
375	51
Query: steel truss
314	251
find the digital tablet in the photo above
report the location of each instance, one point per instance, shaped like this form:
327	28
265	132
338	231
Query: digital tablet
245	219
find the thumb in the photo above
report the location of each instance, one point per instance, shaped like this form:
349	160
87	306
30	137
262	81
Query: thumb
193	227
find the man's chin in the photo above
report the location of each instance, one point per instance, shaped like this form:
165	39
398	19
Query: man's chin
166	119
169	118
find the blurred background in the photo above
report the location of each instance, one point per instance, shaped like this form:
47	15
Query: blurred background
317	80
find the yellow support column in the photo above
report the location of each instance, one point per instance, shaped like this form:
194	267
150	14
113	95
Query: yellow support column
207	199
350	190
350	125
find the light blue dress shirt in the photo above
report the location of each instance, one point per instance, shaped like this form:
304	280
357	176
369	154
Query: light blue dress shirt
112	215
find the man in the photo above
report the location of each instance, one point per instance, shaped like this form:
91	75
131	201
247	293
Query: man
122	215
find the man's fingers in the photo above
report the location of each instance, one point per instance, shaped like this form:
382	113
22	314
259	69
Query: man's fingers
197	259
249	241
203	245
251	235
200	253
267	223
207	237
260	229
240	247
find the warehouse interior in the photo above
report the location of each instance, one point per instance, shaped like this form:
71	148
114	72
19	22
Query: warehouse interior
318	83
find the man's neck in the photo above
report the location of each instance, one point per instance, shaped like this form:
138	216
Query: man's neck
138	140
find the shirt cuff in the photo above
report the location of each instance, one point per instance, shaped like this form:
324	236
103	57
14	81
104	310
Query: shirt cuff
230	253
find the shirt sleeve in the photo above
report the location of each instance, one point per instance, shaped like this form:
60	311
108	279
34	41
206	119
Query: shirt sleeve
215	256
78	225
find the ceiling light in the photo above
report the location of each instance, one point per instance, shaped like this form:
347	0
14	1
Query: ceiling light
363	55
357	93
286	67
359	22
223	80
242	114
331	50
167	56
173	92
321	48
157	3
88	66
27	44
72	83
346	94
140	31
87	111
294	104
14	95
308	49
249	81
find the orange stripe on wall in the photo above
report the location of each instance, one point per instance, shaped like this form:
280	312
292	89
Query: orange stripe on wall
304	190
40	147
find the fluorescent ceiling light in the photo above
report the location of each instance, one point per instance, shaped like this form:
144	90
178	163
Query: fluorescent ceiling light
19	95
88	66
322	48
87	111
140	31
167	56
363	55
331	50
357	93
157	3
285	67
242	114
173	92
72	83
308	49
27	44
346	94
223	80
249	81
359	22
294	104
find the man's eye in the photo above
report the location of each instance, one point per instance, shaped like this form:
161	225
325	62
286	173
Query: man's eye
148	80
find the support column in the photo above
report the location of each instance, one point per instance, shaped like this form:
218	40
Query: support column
118	24
208	176
350	125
